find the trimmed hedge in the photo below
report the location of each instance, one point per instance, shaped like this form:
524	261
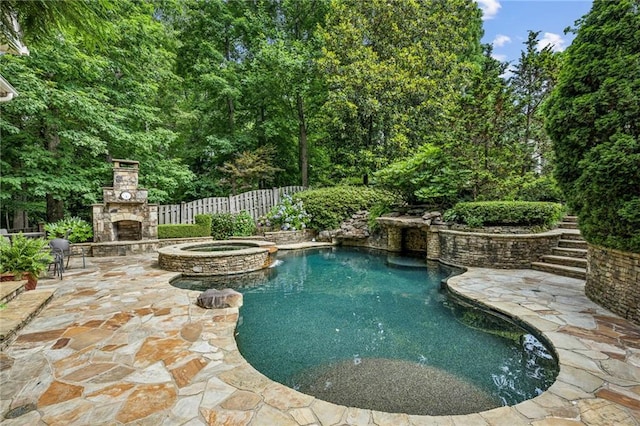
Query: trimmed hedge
506	213
329	207
202	228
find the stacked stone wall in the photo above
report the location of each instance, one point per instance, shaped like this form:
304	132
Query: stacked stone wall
613	281
415	239
215	265
288	237
494	250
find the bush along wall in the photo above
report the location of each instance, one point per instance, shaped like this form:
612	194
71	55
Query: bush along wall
202	228
225	225
329	207
506	213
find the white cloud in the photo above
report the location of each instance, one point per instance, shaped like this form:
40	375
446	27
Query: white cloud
501	40
489	8
555	40
499	57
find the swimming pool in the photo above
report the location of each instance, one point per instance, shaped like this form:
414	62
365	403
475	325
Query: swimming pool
359	329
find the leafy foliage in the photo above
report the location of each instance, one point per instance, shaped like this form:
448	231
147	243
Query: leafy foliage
225	225
329	207
221	226
24	255
243	225
390	86
426	176
248	169
593	117
288	215
75	229
512	213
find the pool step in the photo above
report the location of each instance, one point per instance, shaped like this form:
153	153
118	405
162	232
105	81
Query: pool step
19	311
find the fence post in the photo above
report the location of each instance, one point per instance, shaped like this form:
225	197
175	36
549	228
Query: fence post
183	211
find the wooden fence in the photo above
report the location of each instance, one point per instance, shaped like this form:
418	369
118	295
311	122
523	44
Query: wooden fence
256	203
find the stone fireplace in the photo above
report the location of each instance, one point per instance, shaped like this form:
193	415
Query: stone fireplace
125	214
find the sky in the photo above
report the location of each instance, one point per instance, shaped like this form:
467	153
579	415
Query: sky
507	23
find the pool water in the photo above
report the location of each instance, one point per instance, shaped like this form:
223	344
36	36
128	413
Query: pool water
362	329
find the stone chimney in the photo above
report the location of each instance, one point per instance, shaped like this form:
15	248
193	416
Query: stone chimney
125	214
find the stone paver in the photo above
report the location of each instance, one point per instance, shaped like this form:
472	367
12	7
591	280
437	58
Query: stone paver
119	345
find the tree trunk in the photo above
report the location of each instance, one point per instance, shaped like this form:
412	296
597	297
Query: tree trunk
303	156
55	206
55	209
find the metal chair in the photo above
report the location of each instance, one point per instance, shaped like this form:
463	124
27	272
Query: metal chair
64	245
57	262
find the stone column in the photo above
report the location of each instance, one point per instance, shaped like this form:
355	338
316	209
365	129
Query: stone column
394	238
433	242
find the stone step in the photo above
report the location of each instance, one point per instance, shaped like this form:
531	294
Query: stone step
576	244
571	235
568	225
565	271
9	290
566	261
570	252
573	219
19	311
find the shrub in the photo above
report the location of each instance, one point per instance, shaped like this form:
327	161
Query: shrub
427	176
329	207
512	213
543	188
287	215
202	228
592	118
243	225
221	226
79	230
224	225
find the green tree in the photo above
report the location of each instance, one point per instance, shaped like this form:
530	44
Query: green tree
38	20
249	169
534	76
394	70
80	105
483	145
593	117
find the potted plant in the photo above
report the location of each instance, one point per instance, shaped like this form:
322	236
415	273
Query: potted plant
25	257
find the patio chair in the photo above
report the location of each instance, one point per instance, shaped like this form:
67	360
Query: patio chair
63	245
57	262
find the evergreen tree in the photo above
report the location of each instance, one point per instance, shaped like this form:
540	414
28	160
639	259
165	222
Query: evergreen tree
594	122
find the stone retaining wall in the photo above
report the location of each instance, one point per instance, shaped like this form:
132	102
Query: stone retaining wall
613	281
492	250
288	237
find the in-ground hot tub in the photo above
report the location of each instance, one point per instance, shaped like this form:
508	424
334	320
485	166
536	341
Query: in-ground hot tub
217	257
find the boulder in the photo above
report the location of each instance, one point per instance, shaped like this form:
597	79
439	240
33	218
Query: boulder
214	299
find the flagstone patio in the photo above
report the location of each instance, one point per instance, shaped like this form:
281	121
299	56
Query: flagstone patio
119	345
